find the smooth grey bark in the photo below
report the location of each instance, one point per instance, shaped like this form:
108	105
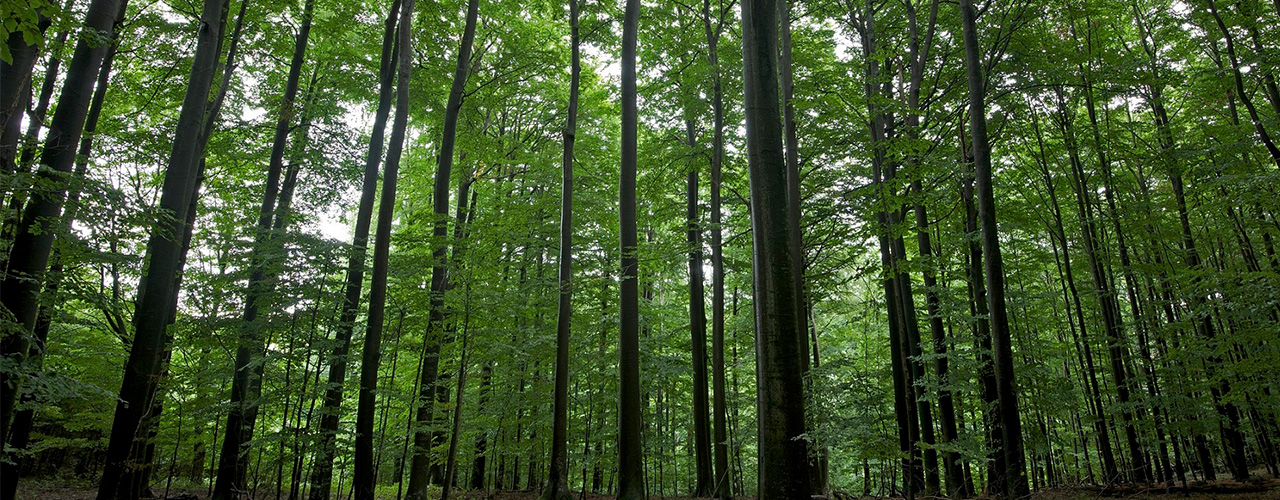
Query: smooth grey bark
783	459
630	419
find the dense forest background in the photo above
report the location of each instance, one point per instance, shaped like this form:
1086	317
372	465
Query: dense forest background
358	249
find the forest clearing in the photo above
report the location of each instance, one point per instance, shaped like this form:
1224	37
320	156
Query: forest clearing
625	249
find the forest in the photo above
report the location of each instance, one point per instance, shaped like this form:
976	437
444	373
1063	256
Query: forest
773	249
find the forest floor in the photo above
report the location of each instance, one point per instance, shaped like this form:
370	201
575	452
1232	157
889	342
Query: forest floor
1260	490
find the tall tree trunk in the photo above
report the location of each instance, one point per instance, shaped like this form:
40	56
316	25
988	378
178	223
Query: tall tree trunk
1238	78
451	469
697	327
557	487
26	149
720	446
918	57
862	18
482	439
20	432
630	447
780	359
15	88
246	383
419	475
1083	349
322	466
977	291
1227	411
33	242
1011	425
157	288
365	474
1102	288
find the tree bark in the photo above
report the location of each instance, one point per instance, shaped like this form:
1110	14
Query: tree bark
630	447
780	359
697	328
419	476
557	487
720	446
246	383
1011	425
33	240
322	466
365	474
20	431
158	286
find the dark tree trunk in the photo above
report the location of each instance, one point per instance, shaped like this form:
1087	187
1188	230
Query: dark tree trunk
20	432
420	472
918	57
322	466
246	383
1011	425
1083	350
720	446
780	357
630	448
33	241
157	289
15	90
482	439
30	140
365	474
1240	89
557	487
451	469
697	328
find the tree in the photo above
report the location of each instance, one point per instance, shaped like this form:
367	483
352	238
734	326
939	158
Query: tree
246	386
365	471
419	477
1015	481
33	242
322	472
783	457
630	446
156	305
557	487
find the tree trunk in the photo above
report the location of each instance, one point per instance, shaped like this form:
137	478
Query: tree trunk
322	466
557	487
158	286
1083	350
419	475
33	242
782	459
697	328
720	446
15	88
246	384
365	474
1011	425
630	446
482	439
